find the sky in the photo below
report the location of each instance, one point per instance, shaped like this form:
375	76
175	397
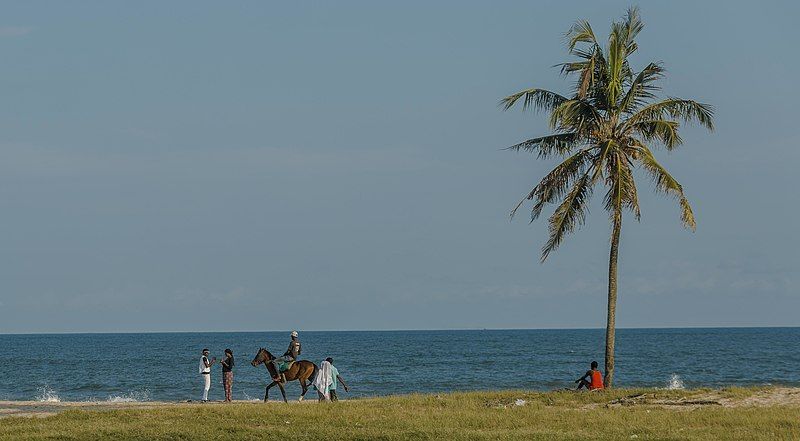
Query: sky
206	166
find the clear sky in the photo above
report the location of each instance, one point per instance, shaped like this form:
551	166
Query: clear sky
336	165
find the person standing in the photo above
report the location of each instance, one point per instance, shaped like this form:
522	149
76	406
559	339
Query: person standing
227	374
335	380
205	372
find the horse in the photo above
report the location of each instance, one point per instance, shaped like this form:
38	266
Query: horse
301	370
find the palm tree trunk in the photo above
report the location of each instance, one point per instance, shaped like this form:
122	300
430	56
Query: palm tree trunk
612	300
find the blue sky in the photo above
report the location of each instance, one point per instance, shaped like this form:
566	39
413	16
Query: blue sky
337	165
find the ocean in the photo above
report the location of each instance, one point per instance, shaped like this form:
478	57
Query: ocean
163	366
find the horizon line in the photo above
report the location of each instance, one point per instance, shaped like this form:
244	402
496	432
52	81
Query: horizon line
395	330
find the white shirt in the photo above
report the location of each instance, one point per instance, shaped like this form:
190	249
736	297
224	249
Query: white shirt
203	368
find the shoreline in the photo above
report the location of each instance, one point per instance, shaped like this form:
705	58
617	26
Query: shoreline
767	396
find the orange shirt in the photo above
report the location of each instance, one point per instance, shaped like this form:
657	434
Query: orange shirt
597	380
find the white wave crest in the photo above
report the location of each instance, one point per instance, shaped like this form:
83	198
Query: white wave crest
131	397
675	383
249	398
47	395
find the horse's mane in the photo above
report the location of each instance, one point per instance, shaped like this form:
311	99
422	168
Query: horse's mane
270	357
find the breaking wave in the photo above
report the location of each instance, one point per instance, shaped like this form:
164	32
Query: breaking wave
131	397
675	383
47	395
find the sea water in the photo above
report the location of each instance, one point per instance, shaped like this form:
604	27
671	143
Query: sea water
164	366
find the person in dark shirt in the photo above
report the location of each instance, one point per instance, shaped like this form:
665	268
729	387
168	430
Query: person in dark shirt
227	374
290	356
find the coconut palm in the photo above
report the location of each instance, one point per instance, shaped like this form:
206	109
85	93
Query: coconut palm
603	131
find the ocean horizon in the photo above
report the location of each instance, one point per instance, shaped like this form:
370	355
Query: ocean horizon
394	330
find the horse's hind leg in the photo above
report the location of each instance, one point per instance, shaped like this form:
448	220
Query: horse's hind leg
305	389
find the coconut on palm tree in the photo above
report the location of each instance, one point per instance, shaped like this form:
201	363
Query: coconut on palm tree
604	130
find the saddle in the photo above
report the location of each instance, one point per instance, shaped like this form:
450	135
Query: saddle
282	368
285	366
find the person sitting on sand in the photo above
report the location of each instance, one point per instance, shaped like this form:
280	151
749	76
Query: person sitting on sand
595	379
289	356
335	380
205	372
227	374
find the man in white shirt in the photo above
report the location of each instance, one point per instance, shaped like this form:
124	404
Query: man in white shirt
205	372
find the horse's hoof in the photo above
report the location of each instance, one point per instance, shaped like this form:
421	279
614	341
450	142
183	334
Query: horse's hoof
300	399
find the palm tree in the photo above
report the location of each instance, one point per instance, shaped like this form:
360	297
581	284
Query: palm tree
603	131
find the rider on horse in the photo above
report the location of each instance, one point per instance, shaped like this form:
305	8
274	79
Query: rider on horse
289	357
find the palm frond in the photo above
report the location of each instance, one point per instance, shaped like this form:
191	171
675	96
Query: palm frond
570	214
663	131
630	196
616	55
621	44
664	182
555	183
603	149
580	32
613	199
591	66
632	26
575	115
546	146
621	185
642	87
538	99
686	110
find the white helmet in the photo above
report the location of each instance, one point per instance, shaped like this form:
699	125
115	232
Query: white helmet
294	334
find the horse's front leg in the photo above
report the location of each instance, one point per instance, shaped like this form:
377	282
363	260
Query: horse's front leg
283	392
266	392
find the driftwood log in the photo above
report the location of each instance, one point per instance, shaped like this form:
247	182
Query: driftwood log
640	399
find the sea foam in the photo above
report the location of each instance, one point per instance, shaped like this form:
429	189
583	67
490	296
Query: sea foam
47	395
675	383
131	397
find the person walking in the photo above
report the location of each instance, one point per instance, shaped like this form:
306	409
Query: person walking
227	374
335	380
205	372
323	380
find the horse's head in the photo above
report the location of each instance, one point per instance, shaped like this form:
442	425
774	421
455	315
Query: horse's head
262	356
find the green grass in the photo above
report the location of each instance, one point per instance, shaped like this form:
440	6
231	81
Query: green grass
458	416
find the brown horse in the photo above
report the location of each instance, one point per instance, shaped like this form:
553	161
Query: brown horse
301	370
